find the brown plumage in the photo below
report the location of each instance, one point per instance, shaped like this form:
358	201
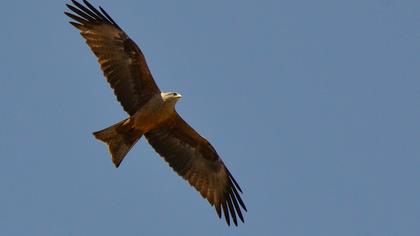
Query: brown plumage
152	114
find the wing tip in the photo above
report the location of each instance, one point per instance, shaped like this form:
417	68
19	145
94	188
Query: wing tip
87	13
226	213
233	200
75	24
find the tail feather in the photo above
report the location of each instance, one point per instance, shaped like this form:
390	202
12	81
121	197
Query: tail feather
120	138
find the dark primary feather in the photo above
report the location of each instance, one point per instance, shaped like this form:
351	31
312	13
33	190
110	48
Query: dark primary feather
121	60
193	158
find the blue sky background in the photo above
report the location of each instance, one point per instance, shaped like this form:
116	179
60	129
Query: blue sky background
313	105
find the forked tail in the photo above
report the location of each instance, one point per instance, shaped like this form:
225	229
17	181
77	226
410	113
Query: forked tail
120	138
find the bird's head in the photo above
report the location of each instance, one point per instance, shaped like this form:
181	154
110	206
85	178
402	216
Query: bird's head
171	97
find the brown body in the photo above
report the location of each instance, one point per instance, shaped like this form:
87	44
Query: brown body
157	110
152	114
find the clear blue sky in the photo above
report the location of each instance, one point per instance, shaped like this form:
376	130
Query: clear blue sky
313	105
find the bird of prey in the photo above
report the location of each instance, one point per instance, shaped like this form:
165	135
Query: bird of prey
152	114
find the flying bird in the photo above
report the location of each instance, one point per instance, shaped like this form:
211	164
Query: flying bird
152	114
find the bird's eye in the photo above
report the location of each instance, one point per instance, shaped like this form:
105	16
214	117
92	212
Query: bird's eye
174	94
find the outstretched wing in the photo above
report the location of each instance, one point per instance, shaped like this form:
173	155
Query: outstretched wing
193	158
121	60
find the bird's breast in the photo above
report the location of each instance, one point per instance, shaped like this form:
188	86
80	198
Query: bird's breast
151	115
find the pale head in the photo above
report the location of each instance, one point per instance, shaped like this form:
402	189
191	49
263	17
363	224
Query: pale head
170	97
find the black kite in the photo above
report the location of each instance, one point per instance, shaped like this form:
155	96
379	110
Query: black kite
152	113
